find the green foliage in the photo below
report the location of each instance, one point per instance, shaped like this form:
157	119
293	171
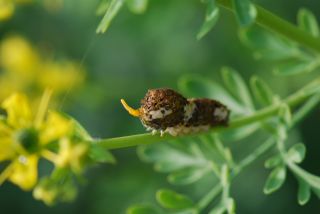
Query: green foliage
289	57
142	209
97	153
297	153
172	200
275	180
100	155
212	15
259	126
262	92
245	12
308	22
237	86
137	6
304	193
288	159
188	160
111	8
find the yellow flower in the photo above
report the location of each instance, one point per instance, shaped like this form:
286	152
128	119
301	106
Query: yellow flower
6	9
24	136
57	187
72	155
18	56
60	76
9	85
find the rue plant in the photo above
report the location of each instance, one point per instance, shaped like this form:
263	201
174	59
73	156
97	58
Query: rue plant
256	110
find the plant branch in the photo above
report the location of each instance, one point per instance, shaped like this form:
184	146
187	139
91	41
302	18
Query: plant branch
262	149
265	113
278	25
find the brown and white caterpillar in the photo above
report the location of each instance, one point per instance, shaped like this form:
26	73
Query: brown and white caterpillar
167	111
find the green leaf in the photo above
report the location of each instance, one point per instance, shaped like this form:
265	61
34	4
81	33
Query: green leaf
230	205
273	162
239	133
79	130
196	86
187	175
312	180
281	132
167	158
297	153
137	6
102	7
237	86
268	45
224	175
295	66
261	91
304	192
308	22
141	209
99	154
245	12
219	209
211	18
172	200
275	180
285	114
113	9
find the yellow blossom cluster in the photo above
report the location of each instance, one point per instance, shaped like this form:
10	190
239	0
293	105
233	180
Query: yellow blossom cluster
26	69
27	136
29	132
7	7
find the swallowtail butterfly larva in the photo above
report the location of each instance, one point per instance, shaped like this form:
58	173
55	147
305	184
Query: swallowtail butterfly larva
167	111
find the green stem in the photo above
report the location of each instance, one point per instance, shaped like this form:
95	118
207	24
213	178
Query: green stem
254	155
262	149
278	25
214	192
143	139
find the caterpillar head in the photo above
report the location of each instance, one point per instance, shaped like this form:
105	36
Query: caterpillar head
160	108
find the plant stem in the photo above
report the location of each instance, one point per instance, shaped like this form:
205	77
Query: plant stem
262	149
142	139
203	203
278	25
254	155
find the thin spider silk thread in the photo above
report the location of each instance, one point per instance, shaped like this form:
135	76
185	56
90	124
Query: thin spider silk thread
84	57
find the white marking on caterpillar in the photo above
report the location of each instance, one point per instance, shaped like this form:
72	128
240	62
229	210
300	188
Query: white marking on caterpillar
188	111
158	114
220	113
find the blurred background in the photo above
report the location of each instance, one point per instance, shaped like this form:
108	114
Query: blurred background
92	72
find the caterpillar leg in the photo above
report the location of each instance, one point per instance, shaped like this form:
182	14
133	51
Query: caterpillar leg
162	133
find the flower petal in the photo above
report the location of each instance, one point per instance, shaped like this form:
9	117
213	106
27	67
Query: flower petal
18	109
55	127
6	149
25	172
72	155
19	57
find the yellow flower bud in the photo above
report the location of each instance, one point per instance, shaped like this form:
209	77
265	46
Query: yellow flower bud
6	9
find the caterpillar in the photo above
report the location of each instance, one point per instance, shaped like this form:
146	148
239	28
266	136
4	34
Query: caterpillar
166	111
